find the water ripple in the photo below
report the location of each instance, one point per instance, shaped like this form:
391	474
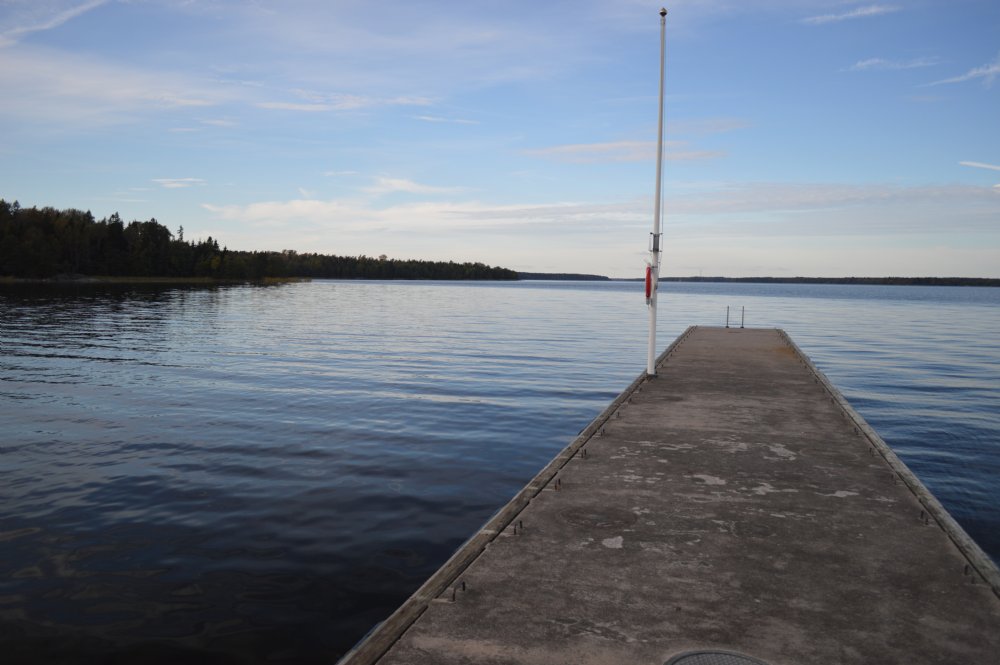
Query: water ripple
243	474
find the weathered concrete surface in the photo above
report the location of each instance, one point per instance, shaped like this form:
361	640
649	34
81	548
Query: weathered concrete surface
734	505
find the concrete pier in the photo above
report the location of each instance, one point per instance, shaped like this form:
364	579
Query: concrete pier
736	504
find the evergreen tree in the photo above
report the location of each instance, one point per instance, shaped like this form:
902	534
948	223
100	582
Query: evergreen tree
41	243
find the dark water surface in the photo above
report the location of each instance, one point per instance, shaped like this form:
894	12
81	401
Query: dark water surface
259	474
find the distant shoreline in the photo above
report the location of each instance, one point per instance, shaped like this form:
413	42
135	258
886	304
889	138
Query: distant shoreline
876	281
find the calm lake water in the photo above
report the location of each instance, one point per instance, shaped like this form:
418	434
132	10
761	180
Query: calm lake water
260	474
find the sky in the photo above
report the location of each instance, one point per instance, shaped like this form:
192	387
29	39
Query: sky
803	137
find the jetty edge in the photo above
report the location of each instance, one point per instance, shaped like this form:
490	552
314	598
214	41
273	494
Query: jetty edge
978	559
742	540
383	635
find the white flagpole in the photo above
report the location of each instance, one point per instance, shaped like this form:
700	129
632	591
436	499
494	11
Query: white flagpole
654	248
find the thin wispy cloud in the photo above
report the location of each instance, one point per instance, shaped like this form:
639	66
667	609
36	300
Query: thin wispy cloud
587	153
384	185
858	12
981	165
72	89
346	102
279	214
988	73
409	100
706	126
438	119
12	35
174	99
295	106
621	151
882	64
315	102
178	183
678	153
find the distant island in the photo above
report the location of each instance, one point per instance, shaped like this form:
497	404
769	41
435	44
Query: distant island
45	243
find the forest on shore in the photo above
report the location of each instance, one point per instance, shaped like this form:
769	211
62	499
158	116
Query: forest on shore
43	243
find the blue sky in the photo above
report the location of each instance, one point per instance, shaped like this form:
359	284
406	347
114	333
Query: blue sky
803	137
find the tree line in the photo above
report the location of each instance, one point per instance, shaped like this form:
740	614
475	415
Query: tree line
44	242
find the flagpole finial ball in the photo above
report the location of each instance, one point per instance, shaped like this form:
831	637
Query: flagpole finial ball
663	11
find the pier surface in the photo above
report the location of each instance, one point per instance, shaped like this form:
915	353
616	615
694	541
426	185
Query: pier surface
733	503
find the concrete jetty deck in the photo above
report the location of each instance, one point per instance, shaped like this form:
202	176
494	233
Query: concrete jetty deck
735	503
